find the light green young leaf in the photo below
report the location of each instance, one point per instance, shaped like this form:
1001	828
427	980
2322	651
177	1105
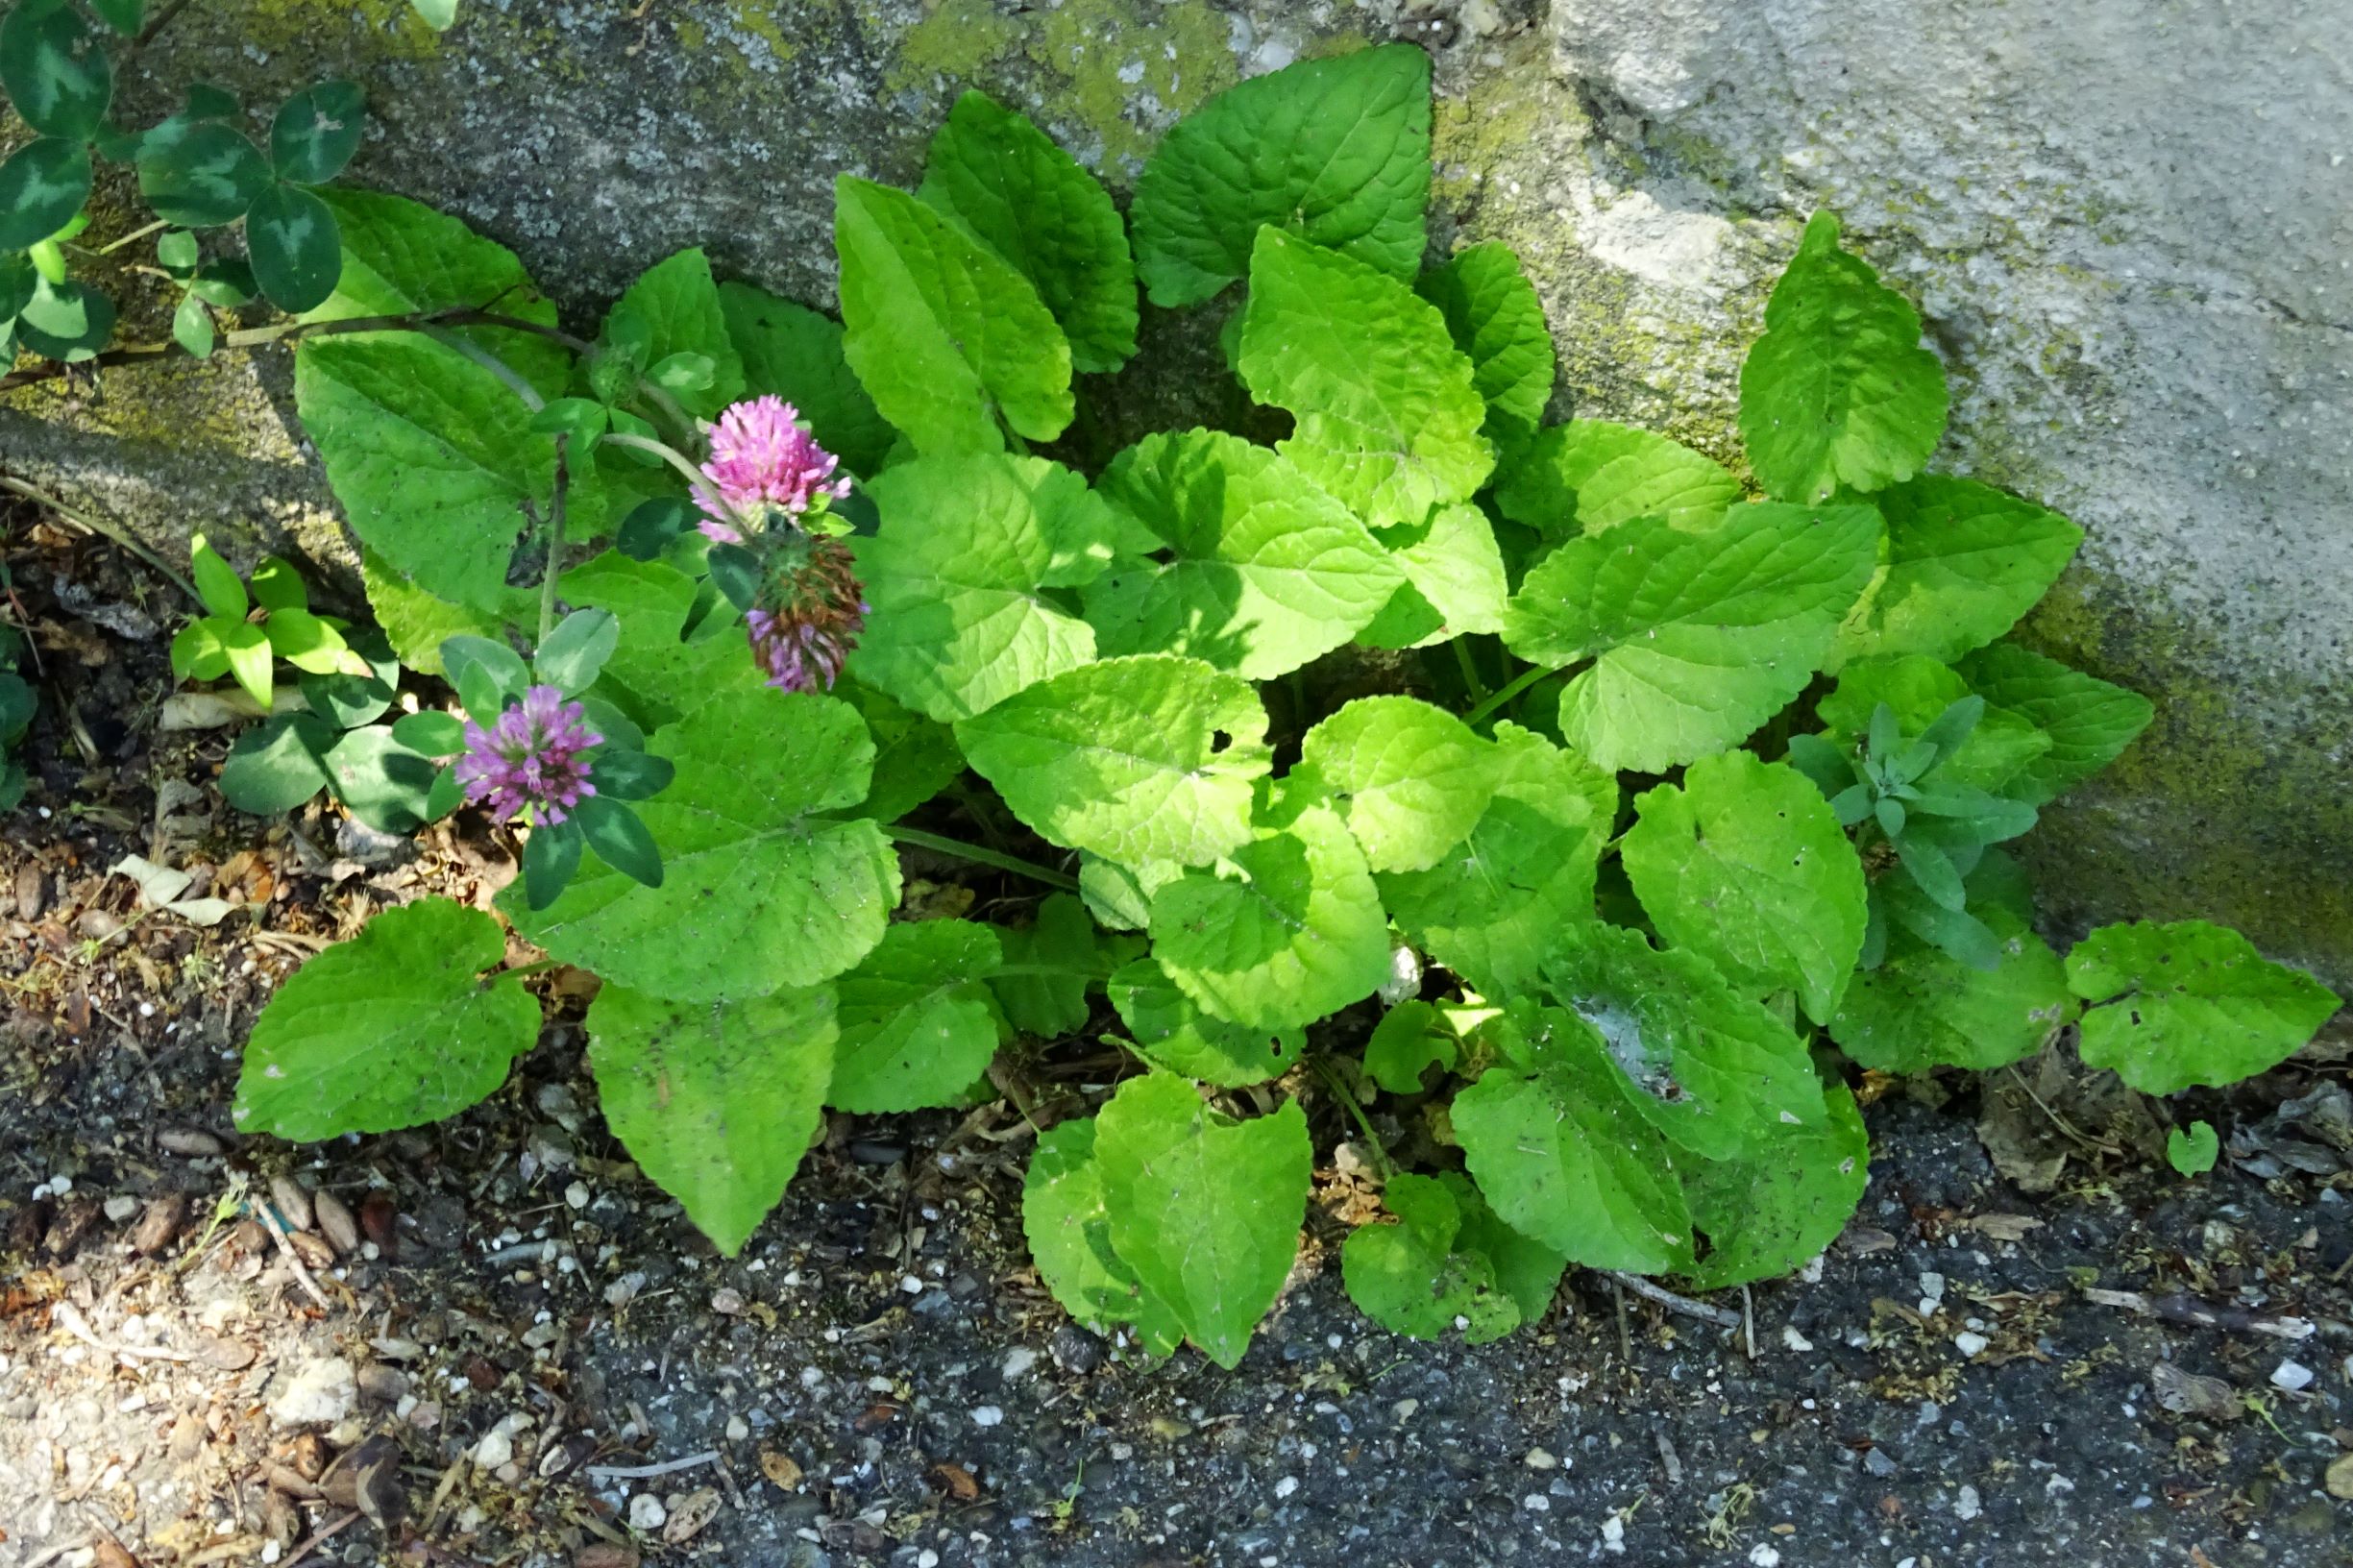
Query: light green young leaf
2192	1150
430	454
958	624
1266	572
1062	941
1493	910
1149	758
1744	864
1562	1156
1589	476
414	620
794	352
1697	638
1715	1072
1495	317
914	757
2090	721
1387	414
758	891
1204	1209
717	1102
1765	1216
2190	1003
1288	930
677	302
1964	562
1172	1033
1454	575
655	673
1410	780
944	333
1029	201
1336	149
1838	391
1921	1008
918	1024
1917	688
1120	897
1069	1232
1414	1279
394	1028
1410	1039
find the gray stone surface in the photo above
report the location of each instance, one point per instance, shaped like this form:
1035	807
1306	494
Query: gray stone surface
2126	222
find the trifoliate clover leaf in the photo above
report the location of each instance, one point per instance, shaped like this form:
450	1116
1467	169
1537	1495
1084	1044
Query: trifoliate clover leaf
1410	780
943	332
1493	314
1562	1156
2190	1003
1922	1007
1838	392
1964	562
1149	758
657	672
1172	1033
794	352
956	623
2090	721
1765	1214
1715	1072
1204	1209
1697	638
1589	476
1288	930
1069	1232
716	1102
392	1029
1387	415
1414	1277
1337	149
917	1026
1744	864
1264	571
1028	199
758	890
1492	909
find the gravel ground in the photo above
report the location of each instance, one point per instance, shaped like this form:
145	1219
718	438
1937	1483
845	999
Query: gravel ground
470	1335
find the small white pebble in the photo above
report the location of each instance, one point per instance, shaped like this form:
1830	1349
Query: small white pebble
2292	1377
927	1558
577	1194
988	1415
737	1429
911	1285
1285	1487
1970	1345
1536	1503
1793	1339
1019	1361
1613	1533
1764	1556
1537	1458
1966	1506
645	1511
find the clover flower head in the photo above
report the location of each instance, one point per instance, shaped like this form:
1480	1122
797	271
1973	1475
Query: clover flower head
808	618
761	458
530	758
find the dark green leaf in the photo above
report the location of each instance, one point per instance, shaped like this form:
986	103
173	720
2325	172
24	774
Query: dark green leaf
794	352
550	857
176	253
445	797
583	419
124	16
501	665
55	69
624	775
316	133
297	251
652	525
615	833
683	372
381	781
1930	867
431	733
206	177
349	697
737	573
575	652
68	322
42	186
278	765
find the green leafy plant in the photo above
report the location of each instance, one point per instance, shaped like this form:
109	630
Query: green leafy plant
1541	785
196	170
17	707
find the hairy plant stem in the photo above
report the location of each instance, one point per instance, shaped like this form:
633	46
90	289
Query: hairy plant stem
669	454
1365	1123
978	856
1518	684
555	537
1470	669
